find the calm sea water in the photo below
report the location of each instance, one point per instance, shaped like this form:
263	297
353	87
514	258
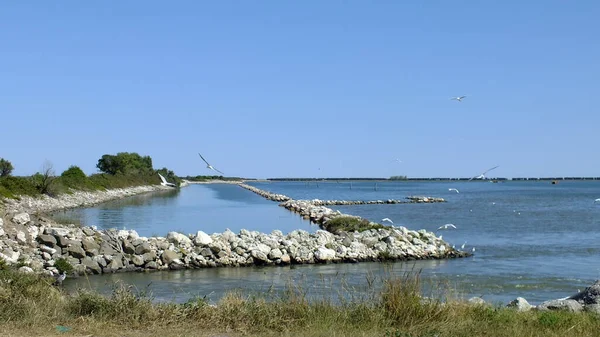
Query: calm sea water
532	239
211	208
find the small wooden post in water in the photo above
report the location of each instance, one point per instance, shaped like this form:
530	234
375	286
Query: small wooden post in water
375	186
350	185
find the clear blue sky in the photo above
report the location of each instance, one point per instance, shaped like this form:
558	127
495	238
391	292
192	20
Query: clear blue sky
281	88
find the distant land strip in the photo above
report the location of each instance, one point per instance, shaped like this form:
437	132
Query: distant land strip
434	179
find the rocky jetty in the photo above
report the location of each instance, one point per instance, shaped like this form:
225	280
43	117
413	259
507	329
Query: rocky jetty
265	194
409	200
37	243
281	197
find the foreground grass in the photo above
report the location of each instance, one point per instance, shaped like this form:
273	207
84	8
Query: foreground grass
30	305
350	224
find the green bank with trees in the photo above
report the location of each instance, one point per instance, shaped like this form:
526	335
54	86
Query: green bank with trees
125	169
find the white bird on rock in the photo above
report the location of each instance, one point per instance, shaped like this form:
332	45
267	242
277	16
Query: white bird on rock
209	166
446	226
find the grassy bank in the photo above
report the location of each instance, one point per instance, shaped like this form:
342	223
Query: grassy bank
117	171
30	305
350	224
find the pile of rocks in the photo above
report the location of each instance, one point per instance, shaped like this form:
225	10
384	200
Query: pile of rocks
36	243
411	200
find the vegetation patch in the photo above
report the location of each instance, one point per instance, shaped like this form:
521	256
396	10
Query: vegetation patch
118	171
350	224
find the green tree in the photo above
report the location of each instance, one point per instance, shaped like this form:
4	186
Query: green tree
6	167
125	163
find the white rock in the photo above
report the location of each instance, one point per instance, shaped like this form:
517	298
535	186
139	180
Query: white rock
57	231
10	257
21	218
324	254
178	238
520	304
47	249
21	237
26	269
202	239
33	232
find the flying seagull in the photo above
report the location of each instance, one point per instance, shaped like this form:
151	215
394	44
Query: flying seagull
446	226
164	181
387	219
453	189
460	98
482	176
597	200
209	166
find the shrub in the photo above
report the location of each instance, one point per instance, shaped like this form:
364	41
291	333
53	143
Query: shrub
63	265
6	167
350	224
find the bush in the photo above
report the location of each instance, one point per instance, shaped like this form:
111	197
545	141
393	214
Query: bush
63	265
11	187
6	167
125	163
350	224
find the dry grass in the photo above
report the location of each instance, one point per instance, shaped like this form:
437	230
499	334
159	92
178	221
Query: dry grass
31	306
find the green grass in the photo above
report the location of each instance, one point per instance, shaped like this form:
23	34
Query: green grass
30	305
350	224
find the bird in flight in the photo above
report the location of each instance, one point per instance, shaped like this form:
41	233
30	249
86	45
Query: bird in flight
460	98
446	226
209	166
164	181
387	219
482	176
453	189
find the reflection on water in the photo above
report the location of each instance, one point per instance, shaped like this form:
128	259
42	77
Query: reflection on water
210	208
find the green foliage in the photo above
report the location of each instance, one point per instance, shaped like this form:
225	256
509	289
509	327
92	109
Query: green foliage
350	224
11	187
3	264
63	265
208	178
398	178
6	167
125	163
123	170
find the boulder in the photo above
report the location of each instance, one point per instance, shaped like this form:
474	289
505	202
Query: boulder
169	256
520	304
178	238
324	254
202	239
561	304
21	219
590	295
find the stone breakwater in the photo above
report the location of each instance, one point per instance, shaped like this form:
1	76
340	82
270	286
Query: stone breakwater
36	244
315	210
281	198
76	199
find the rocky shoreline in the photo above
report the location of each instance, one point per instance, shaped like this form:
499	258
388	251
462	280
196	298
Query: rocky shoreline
36	243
